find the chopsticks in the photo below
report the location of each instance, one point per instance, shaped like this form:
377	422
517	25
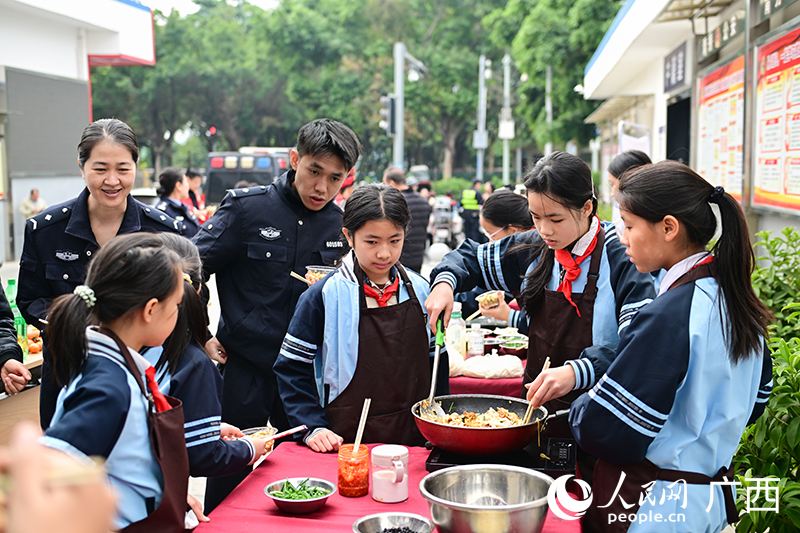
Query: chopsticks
529	411
295	275
287	432
361	423
473	315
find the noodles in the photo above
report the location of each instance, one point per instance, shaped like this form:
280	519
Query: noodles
500	418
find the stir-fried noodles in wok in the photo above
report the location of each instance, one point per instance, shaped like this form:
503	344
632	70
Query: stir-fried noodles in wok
500	418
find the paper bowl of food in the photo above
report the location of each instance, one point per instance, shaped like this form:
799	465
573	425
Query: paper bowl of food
314	273
300	495
489	299
491	343
518	348
262	432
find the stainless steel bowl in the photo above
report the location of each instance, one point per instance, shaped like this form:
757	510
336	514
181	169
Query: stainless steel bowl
487	499
300	506
376	523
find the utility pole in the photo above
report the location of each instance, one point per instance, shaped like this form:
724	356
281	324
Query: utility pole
399	103
548	106
480	139
401	55
506	129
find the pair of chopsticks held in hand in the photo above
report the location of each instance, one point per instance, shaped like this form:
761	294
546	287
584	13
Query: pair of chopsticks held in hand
529	411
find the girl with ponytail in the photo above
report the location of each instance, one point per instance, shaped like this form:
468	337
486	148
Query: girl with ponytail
692	369
130	299
578	288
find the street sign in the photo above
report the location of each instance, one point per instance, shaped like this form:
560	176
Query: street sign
480	139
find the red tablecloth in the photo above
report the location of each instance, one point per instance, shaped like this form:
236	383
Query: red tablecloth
248	509
501	387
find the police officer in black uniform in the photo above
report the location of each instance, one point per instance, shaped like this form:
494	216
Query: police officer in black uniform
61	240
173	188
256	238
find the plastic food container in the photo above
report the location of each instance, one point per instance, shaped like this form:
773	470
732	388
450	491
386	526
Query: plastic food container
390	473
314	273
489	299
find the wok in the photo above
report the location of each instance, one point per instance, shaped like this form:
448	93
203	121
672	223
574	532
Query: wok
479	441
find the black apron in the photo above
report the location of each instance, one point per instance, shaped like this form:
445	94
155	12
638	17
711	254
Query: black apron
607	476
555	330
393	369
169	447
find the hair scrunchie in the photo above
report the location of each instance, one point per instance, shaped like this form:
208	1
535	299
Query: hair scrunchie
87	295
716	195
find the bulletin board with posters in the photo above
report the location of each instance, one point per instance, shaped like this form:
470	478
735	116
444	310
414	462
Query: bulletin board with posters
776	157
720	124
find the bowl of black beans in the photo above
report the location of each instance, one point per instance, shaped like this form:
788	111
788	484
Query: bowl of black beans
393	523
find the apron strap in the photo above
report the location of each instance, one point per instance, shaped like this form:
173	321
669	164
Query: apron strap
133	368
693	478
698	272
359	275
594	266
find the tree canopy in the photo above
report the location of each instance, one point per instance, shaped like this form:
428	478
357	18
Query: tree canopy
257	75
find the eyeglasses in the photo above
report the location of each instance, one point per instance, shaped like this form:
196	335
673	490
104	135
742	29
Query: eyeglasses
491	235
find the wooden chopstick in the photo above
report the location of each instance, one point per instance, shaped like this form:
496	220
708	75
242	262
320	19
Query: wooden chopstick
295	275
529	411
473	315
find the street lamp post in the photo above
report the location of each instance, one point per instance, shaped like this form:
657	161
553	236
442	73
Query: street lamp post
401	55
480	139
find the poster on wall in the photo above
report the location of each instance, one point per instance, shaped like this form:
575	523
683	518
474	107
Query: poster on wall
720	118
777	140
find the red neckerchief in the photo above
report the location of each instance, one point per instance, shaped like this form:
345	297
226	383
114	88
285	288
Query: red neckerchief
572	269
705	261
158	398
382	299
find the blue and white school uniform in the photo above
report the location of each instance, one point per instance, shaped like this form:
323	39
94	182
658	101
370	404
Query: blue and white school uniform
675	399
198	384
320	354
102	412
502	265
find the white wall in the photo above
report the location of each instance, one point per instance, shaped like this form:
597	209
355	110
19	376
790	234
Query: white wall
53	190
37	44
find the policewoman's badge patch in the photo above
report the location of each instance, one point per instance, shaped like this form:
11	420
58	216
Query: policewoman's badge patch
269	233
67	255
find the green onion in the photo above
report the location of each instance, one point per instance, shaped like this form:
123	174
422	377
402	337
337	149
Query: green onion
301	492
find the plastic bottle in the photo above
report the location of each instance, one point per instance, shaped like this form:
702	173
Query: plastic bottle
475	341
456	330
19	322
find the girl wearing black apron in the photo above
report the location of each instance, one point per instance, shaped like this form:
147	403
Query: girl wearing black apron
361	332
578	288
134	286
692	370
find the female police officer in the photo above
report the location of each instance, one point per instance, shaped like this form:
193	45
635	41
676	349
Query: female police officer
174	187
60	241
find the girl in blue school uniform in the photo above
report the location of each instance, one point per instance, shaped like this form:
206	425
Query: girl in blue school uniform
578	289
130	299
184	370
692	369
361	332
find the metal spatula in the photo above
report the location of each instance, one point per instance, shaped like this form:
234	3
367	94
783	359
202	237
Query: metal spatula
429	409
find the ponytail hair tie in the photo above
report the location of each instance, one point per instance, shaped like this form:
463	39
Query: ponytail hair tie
87	295
716	195
187	278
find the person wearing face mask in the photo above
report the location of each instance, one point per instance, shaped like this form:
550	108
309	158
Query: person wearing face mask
578	288
252	243
173	189
60	241
504	213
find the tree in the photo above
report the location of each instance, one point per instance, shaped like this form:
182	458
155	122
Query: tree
563	34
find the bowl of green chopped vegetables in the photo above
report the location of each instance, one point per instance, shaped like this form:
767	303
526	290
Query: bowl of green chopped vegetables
300	495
